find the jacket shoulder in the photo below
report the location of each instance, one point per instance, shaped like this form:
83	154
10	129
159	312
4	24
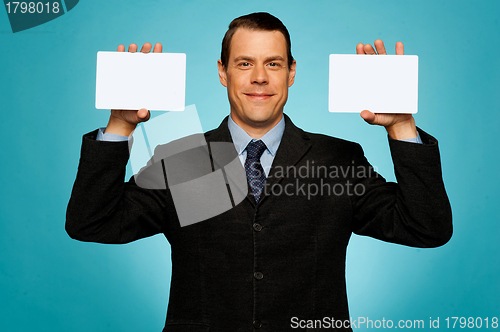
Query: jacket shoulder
331	143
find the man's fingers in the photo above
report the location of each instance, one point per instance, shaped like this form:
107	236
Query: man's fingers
146	48
400	50
359	49
132	48
369	49
158	48
379	45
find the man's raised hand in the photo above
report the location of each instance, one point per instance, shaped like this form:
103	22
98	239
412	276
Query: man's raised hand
123	122
398	126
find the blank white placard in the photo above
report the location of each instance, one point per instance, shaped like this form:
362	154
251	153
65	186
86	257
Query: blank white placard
378	83
131	81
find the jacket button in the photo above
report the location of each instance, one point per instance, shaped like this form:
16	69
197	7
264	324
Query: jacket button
257	227
257	324
258	275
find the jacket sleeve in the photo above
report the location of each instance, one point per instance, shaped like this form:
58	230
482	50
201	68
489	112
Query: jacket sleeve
415	211
105	209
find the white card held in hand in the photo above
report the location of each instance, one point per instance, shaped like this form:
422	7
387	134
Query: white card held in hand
131	81
378	83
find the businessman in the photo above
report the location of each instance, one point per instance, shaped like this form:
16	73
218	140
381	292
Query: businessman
276	261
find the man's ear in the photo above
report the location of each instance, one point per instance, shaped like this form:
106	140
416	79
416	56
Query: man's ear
291	74
222	73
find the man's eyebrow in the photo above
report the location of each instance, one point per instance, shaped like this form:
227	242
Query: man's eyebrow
249	58
243	57
275	57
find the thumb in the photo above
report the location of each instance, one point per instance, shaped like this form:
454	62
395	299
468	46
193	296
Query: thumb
369	117
143	115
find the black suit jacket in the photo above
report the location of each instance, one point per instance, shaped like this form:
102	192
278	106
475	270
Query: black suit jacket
257	266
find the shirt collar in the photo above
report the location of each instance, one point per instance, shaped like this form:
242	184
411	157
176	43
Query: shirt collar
271	139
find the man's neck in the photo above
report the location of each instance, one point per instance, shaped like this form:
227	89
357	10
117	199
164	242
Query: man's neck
256	131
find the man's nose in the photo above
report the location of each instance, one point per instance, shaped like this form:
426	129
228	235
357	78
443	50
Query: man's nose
259	75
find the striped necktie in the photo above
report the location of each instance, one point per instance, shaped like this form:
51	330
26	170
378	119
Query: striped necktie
255	173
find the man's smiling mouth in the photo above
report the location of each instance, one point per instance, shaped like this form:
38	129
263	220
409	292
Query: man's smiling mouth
259	96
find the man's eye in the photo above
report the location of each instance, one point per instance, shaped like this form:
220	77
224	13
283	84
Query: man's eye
273	64
244	64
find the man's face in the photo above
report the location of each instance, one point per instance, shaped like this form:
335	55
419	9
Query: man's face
257	78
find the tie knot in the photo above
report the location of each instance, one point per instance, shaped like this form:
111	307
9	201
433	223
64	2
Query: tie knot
255	149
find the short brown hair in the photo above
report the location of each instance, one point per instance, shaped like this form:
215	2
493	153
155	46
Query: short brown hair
255	21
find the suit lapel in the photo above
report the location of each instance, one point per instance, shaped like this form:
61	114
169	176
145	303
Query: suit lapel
294	145
220	134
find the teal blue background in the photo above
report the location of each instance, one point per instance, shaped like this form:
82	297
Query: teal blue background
49	282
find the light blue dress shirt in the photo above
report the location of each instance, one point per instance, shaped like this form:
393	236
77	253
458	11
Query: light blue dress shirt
271	139
101	136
